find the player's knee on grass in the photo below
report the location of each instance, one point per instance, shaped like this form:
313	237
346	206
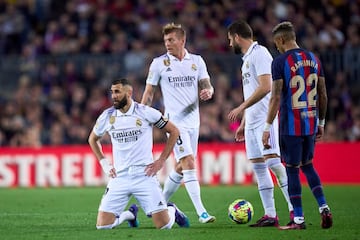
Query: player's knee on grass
104	219
161	219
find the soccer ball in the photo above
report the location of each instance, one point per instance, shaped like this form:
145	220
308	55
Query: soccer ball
241	211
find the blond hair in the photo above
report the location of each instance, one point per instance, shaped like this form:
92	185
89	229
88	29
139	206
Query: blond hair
172	27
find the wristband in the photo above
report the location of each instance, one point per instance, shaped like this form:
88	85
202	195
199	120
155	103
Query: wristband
267	127
105	165
322	122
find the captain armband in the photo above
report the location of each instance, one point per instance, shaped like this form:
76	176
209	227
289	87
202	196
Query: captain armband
162	122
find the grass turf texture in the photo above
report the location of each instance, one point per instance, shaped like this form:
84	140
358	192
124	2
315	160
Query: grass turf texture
70	213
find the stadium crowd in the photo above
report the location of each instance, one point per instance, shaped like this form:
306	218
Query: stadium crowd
55	104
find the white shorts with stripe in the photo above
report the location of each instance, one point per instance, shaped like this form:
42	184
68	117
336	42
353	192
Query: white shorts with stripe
133	182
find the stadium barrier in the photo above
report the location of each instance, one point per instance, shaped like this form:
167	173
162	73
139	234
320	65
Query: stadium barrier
217	163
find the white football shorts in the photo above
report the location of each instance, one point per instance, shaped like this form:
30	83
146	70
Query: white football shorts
253	141
187	143
146	190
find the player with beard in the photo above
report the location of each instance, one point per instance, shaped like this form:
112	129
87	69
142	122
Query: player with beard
257	80
133	170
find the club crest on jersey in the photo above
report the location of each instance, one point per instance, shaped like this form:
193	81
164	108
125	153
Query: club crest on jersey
112	120
247	65
167	62
193	67
138	123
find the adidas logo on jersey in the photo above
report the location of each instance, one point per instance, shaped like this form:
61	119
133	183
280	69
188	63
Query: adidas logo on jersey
160	203
168	69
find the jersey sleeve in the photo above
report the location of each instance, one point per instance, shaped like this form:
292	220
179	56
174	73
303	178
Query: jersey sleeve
262	61
276	69
154	73
155	117
100	127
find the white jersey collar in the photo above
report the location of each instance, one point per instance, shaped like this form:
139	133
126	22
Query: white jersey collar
171	57
252	46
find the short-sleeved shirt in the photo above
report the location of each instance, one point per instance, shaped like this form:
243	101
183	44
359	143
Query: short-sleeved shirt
131	134
179	86
256	62
300	70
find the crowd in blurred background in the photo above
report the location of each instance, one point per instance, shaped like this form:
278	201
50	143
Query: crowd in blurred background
56	100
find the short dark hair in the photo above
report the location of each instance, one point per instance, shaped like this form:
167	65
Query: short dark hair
122	81
240	28
286	30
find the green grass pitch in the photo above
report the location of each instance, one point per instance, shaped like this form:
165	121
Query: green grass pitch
70	213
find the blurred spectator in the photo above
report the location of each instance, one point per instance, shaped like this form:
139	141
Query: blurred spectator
68	51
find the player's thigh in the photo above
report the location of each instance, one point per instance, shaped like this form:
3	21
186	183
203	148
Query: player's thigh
183	145
252	145
147	191
308	148
291	149
114	199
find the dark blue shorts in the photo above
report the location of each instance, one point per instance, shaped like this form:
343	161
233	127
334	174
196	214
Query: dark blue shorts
297	149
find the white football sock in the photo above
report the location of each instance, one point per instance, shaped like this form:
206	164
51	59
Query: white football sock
193	188
124	216
171	212
266	188
172	184
279	171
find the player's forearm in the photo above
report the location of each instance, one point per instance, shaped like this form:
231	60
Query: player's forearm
96	147
170	143
148	95
322	99
274	106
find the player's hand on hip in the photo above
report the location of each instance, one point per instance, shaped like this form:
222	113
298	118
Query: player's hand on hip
108	168
154	167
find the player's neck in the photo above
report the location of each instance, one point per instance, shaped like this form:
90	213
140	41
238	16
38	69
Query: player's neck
290	46
247	44
180	55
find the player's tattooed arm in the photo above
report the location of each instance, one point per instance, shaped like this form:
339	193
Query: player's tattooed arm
148	94
321	90
274	100
206	89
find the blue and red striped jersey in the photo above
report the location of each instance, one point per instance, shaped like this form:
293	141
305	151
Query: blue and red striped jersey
300	71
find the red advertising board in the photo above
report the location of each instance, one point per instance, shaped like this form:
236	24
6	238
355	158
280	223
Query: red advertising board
217	163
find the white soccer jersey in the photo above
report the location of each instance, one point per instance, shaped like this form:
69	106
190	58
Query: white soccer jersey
256	61
131	134
179	86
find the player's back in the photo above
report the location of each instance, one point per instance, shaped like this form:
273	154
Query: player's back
300	71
